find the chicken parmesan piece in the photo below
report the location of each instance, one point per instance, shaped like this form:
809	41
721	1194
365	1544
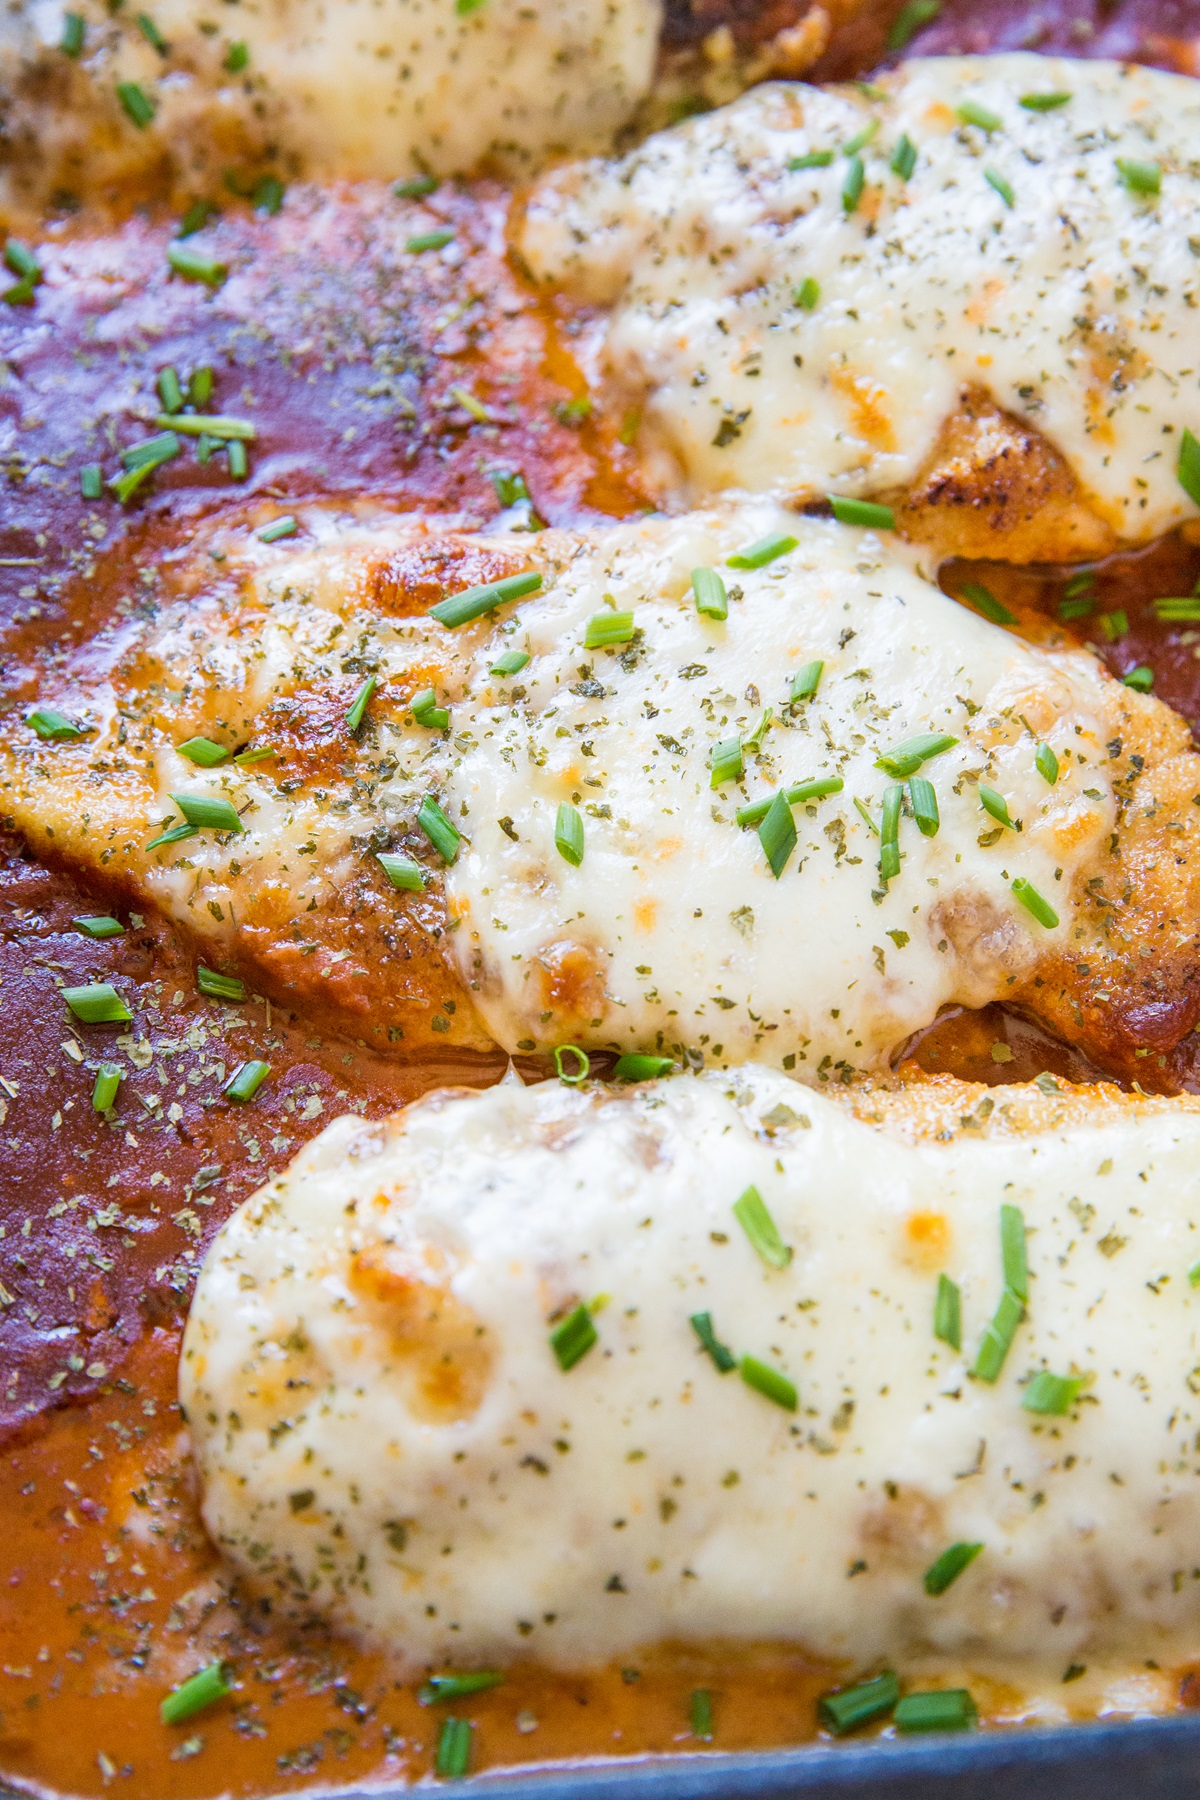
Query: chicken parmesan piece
968	288
563	1374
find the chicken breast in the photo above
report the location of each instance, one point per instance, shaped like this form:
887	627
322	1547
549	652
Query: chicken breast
968	288
559	1374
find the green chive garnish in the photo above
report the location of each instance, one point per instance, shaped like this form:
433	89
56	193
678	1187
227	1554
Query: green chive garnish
219	987
766	550
138	106
1194	1275
803	791
140	462
200	387
401	871
1002	186
195	219
1079	606
811	159
908	22
426	711
573	1338
91	481
242	1087
862	512
260	753
952	1709
440	1688
642	1068
430	240
99	925
416	187
472	603
904	158
104	1094
997	1338
994	804
169	390
1046	764
71	42
1178	609
278	528
1140	177
806	681
207	814
852	187
54	727
438	829
949	1566
1141	679
151	33
889	833
721	1354
607	628
1052	1395
97	1004
984	601
726	761
203	752
197	1692
511	663
174	835
973	112
808	294
853	1707
453	1757
568	833
923	801
753	1216
1114	624
947	1313
1043	102
237	56
700	1714
769	1383
861	139
711	598
1013	1255
906	758
582	1065
1033	902
215	425
359	704
777	834
194	265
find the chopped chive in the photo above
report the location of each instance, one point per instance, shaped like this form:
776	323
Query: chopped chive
995	805
174	835
1194	1275
71	42
242	1086
1084	578
104	1093
259	753
906	758
430	240
803	791
203	752
766	550
582	1068
711	598
1033	902
984	601
137	105
97	1004
997	1338
453	1757
861	139
568	833
909	20
54	727
853	1707
219	987
806	681
472	603
99	925
726	761
865	816
1046	764
753	739
777	834
268	195
1001	184
426	711
1043	102
125	486
169	390
607	628
904	158
206	813
278	528
416	187
948	1567
151	33
700	1714
194	265
20	260
1140	177
151	451
862	512
973	112
923	801
642	1068
951	1709
811	159
753	1215
401	871
237	460
1052	1395
200	387
237	56
196	218
947	1313
889	832
852	187
1141	679
510	663
438	829
91	481
573	1337
360	703
721	1354
1114	624
21	293
1178	609
440	1688
511	487
214	425
1187	469
1077	606
769	1383
195	1694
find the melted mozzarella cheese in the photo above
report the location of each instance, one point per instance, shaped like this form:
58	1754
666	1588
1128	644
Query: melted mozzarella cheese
1073	306
385	1435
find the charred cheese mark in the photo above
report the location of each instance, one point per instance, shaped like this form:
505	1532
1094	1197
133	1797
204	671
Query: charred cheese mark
1072	309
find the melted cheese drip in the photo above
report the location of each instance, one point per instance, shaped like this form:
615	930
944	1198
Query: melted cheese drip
386	1437
1074	307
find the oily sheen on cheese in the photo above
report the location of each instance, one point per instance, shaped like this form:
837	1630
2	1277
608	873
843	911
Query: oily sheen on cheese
385	1435
777	341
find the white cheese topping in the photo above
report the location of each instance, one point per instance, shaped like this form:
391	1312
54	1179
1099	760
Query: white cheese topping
385	1434
1013	259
